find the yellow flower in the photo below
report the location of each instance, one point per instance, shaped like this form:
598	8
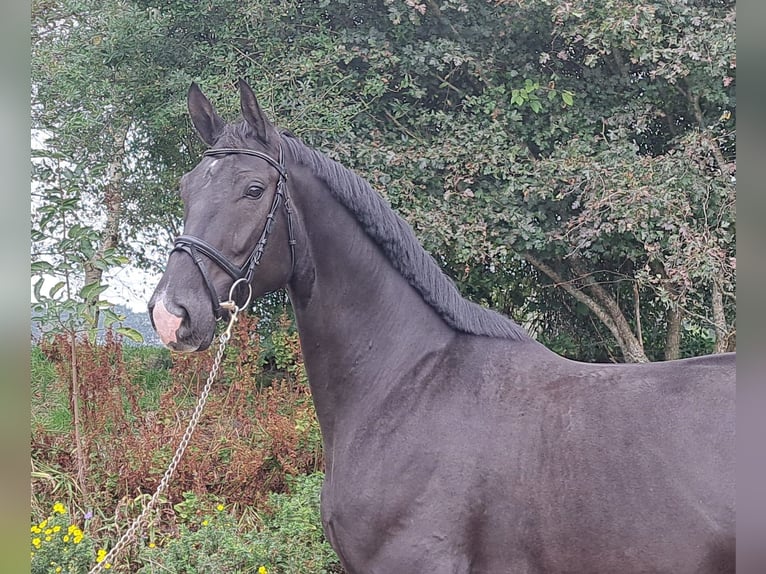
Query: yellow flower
58	569
204	523
56	528
48	538
35	529
49	531
152	545
100	555
107	566
263	570
65	538
36	542
220	507
59	508
43	524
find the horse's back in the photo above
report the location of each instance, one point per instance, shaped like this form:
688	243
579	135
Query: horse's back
624	468
510	458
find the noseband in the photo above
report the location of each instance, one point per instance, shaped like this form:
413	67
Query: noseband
195	246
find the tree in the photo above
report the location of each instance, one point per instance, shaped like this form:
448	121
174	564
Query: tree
80	167
591	140
569	163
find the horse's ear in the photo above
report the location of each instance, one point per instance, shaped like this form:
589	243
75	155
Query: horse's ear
206	121
253	114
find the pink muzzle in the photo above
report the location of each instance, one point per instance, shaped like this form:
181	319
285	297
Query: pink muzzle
165	323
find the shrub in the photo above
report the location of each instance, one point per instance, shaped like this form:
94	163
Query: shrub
289	540
61	546
255	429
207	544
258	428
292	537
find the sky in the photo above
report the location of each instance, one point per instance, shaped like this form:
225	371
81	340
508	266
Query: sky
128	286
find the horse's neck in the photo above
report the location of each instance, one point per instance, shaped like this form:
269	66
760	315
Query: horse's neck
361	324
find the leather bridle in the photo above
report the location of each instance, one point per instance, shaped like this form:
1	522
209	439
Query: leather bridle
194	246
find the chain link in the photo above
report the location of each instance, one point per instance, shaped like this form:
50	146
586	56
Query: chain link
130	533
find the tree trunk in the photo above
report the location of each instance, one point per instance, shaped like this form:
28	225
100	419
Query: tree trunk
113	207
74	397
602	304
632	347
719	321
673	337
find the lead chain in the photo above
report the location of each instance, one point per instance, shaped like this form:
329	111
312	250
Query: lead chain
130	533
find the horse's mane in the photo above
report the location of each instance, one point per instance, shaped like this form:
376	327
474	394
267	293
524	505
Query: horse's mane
398	242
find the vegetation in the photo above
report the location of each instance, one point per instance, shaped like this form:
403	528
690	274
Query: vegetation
289	539
570	164
58	545
256	453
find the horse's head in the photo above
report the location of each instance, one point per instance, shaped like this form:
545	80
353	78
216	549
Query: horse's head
235	210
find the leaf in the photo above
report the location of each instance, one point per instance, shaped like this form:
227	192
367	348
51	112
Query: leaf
56	288
568	97
131	334
100	264
41	267
37	288
111	317
92	291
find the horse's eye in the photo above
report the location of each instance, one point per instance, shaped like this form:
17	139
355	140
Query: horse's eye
255	191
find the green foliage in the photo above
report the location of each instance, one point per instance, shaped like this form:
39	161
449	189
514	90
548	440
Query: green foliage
495	174
519	138
288	541
59	545
63	247
291	537
208	544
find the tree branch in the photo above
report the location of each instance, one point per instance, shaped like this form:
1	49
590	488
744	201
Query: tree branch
637	311
631	348
723	166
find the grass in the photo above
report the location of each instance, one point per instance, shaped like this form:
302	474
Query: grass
61	484
149	367
50	400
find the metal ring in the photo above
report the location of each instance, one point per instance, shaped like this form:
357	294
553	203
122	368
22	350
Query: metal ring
249	293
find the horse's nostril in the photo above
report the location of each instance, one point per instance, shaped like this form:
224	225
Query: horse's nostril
165	323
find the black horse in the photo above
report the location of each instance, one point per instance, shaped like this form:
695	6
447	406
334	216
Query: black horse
454	443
